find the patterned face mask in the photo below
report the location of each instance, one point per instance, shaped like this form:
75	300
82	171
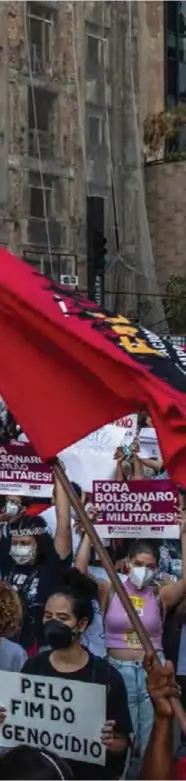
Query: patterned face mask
23	554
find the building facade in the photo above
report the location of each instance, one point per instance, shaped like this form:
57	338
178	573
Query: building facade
77	81
166	176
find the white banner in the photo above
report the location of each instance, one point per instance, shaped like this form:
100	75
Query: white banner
54	714
23	473
94	455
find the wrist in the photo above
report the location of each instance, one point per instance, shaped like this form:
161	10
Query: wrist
163	721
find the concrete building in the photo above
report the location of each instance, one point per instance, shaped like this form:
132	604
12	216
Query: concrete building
42	195
76	83
165	87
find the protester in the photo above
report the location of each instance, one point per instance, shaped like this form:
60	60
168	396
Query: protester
93	637
174	643
12	510
12	656
123	646
33	764
66	615
158	762
34	565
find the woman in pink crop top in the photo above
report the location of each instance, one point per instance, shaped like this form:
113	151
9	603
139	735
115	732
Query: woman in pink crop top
123	646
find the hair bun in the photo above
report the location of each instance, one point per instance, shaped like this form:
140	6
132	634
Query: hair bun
81	583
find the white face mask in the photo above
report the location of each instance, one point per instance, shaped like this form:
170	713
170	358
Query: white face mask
141	576
23	554
12	508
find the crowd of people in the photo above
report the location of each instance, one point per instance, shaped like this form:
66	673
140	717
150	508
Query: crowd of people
60	617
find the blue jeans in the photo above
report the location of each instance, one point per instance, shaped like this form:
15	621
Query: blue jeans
140	706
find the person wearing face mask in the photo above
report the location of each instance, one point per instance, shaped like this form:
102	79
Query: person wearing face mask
34	564
93	637
66	615
13	507
12	510
151	601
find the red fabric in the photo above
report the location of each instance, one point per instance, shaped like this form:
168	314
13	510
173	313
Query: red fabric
179	771
36	509
64	371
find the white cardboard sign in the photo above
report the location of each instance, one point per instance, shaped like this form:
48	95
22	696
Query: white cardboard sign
93	457
53	714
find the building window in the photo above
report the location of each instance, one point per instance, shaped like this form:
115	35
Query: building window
44	101
94	53
175	47
96	130
175	65
36	200
40	33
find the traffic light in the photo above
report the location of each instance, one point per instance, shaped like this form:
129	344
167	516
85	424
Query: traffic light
100	251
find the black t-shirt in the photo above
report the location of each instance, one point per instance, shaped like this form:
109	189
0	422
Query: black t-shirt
34	583
99	671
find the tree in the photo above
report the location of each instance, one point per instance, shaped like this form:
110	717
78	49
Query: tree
175	304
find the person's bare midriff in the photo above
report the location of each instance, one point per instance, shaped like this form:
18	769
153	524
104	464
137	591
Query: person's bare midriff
126	654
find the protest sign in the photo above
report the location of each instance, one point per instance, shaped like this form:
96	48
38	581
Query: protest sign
96	452
23	473
54	714
149	446
138	508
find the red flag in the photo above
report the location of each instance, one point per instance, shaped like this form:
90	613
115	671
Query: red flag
67	368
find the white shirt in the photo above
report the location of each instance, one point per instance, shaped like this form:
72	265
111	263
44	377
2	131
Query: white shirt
50	519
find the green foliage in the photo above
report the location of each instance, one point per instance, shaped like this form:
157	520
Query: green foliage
163	127
175	304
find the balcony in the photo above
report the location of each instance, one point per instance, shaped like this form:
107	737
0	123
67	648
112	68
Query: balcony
37	233
40	140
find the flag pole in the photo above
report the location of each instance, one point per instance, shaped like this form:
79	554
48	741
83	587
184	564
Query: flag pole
116	583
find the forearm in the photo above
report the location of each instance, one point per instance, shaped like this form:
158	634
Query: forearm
119	472
138	469
152	463
158	759
83	554
63	536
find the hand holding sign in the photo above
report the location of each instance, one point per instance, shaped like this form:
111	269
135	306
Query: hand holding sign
107	734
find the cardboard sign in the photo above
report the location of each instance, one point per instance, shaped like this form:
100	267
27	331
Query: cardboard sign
23	473
149	446
95	453
53	714
138	508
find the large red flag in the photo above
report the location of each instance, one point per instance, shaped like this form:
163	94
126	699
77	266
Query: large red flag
66	368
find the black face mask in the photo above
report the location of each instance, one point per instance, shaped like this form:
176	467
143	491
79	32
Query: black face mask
58	635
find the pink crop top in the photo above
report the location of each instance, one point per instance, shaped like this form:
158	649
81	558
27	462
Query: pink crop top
118	629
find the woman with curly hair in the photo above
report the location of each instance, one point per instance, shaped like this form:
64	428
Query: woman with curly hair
12	655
